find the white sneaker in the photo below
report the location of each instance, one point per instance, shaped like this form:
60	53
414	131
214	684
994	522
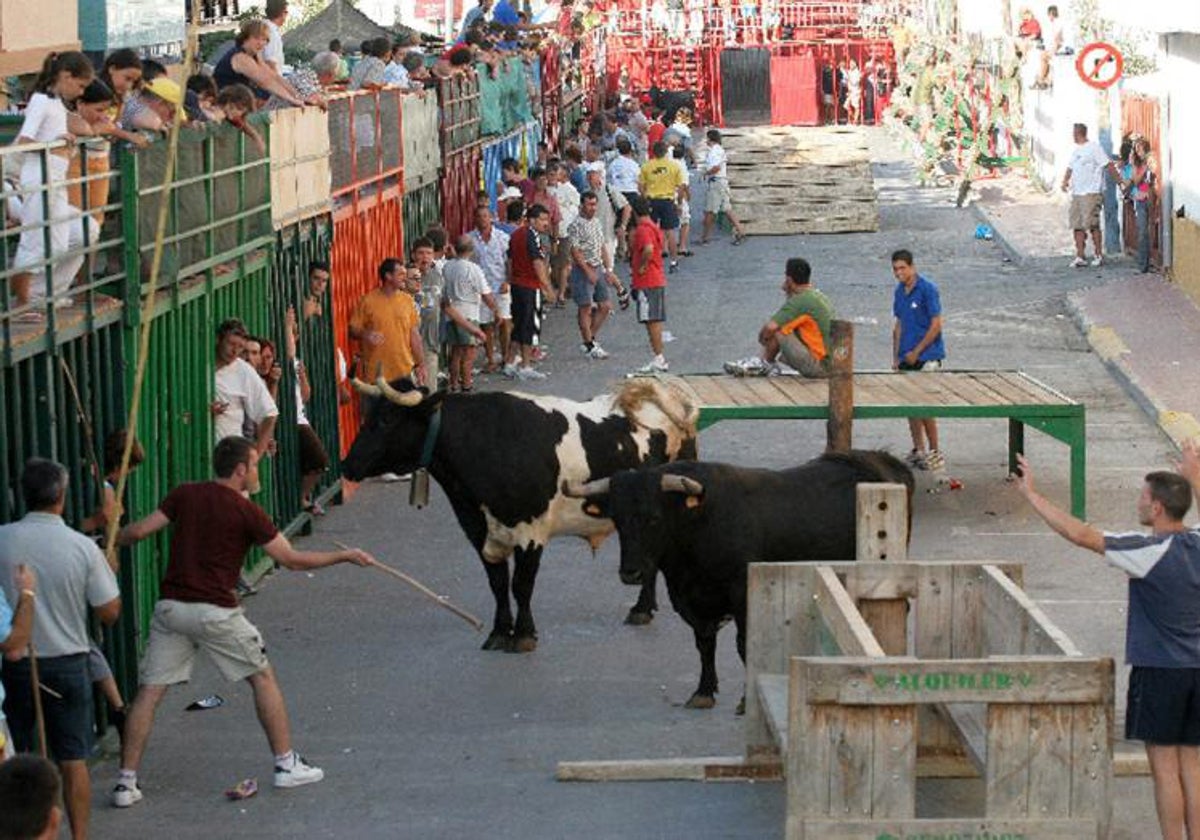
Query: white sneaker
300	773
667	337
528	373
1078	262
126	794
597	352
510	370
656	365
1098	261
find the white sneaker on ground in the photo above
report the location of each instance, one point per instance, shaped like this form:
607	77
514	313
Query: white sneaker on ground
915	459
935	460
528	373
126	794
656	365
752	366
597	352
1098	261
510	371
300	773
667	337
1078	262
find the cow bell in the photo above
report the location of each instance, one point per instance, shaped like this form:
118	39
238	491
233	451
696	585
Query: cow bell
418	489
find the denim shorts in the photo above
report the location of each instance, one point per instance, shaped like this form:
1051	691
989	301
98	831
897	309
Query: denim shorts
66	704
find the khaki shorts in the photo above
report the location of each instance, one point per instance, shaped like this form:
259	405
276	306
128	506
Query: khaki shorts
178	629
1085	212
717	200
800	358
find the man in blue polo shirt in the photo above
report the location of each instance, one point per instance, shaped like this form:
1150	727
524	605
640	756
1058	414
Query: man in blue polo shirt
917	345
1162	627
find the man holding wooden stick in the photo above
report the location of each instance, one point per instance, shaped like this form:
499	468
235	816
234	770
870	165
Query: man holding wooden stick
215	525
71	575
1162	636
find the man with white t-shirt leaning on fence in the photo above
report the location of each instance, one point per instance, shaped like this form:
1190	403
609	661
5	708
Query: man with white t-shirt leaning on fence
241	394
1085	179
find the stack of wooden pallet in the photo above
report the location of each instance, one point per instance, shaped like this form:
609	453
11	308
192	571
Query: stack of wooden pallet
801	180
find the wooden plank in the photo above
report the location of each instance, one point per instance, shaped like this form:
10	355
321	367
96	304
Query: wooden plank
838	613
891	681
1014	624
966	624
881	514
968	721
810	755
1007	776
705	769
966	388
894	763
684	384
773	699
1012	394
764	392
739	390
850	783
965	827
707	392
802	390
934	610
985	381
1050	760
1036	393
1091	763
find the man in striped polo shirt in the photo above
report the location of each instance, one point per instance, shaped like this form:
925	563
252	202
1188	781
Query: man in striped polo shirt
1162	630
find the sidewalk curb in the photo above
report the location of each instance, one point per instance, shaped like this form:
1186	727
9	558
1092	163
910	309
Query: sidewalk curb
1104	341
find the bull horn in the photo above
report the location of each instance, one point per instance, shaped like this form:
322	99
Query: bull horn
405	398
574	490
364	388
681	484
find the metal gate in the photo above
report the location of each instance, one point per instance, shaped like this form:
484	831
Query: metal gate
746	86
1140	115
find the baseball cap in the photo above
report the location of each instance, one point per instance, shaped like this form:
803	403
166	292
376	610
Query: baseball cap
166	90
594	166
510	193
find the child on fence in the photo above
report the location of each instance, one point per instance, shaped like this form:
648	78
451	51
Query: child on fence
237	102
63	78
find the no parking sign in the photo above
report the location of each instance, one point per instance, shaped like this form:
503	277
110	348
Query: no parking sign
1100	65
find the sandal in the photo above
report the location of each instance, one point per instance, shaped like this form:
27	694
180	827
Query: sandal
685	253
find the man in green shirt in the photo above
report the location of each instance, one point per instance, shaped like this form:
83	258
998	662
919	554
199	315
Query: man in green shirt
798	332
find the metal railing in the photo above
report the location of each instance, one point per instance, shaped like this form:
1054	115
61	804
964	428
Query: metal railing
366	143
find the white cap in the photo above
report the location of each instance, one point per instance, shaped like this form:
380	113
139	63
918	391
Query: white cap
594	166
511	193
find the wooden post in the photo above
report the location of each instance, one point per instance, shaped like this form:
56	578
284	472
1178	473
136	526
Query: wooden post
839	428
882	534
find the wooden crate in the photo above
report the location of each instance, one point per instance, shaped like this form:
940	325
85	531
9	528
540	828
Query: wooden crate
300	176
983	679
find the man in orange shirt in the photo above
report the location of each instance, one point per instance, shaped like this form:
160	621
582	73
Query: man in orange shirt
386	325
648	281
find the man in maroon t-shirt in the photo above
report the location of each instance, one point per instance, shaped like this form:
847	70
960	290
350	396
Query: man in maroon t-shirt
214	526
649	282
529	275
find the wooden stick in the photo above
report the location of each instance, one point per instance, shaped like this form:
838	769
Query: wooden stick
440	600
38	715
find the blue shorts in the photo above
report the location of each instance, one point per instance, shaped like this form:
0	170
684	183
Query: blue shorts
665	212
1163	706
584	292
69	722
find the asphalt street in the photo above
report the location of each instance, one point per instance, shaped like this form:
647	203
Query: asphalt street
422	735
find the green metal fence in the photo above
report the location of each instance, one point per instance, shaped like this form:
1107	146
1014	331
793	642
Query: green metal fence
422	210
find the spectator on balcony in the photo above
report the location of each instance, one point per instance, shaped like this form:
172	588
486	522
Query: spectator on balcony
475	15
122	72
200	99
326	66
236	103
63	78
343	68
276	15
155	106
244	65
369	72
396	73
455	60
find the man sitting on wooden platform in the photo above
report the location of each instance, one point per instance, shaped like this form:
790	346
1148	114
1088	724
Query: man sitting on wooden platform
799	331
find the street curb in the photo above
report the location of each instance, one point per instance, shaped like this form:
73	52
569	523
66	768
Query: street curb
1104	341
1011	251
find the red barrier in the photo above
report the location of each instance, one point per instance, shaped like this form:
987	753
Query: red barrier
795	89
461	181
361	241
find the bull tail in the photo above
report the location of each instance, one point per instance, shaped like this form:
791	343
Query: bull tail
668	399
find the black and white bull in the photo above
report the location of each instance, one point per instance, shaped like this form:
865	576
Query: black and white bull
701	524
502	459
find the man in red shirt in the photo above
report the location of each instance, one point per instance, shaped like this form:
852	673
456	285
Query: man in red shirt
214	526
529	276
649	282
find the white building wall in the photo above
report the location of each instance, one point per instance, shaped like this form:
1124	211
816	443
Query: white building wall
1181	69
1050	114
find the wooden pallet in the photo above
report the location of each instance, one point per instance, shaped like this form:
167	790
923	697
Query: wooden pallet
788	181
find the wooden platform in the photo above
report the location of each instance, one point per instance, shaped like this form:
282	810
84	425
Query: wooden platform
801	180
1011	395
19	340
